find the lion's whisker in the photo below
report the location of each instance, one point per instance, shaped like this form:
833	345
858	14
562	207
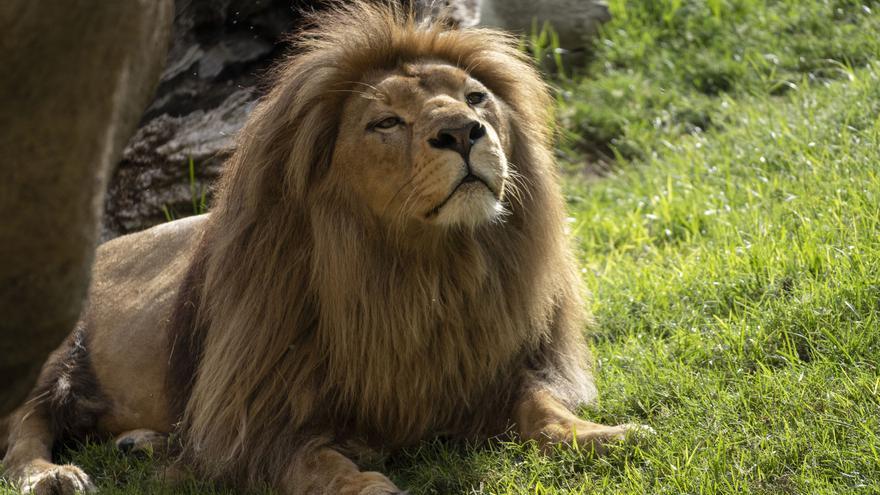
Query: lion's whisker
362	94
374	88
402	212
393	197
379	94
519	181
473	65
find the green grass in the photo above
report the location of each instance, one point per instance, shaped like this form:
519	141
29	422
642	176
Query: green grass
733	253
198	197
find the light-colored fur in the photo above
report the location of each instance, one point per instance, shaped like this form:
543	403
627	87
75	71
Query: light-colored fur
349	290
136	278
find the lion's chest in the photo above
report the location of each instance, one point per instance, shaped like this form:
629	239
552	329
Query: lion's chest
423	352
448	380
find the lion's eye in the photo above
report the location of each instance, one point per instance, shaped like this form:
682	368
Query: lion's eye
475	98
387	123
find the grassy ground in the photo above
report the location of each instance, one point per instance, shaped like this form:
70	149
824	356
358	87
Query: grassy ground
733	253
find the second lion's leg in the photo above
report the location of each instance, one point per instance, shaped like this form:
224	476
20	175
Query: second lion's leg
542	418
320	469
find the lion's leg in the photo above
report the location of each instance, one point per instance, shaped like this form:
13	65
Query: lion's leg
544	419
319	469
142	441
29	464
150	443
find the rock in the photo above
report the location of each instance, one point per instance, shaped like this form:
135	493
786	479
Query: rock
462	13
575	21
153	181
219	49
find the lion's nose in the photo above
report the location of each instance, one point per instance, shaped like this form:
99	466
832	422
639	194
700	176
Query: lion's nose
460	139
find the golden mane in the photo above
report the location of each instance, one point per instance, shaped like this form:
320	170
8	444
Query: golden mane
310	315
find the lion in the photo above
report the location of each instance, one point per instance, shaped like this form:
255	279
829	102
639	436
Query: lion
385	263
75	79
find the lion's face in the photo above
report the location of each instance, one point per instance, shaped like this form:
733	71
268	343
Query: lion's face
425	143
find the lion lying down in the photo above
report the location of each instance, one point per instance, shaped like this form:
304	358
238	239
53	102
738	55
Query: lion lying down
385	263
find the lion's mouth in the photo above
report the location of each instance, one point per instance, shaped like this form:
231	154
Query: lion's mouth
470	178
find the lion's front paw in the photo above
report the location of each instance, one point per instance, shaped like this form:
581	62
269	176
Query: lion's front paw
52	479
598	436
589	436
142	443
637	431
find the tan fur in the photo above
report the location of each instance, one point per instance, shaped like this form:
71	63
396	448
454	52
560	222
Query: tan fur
135	284
349	290
75	78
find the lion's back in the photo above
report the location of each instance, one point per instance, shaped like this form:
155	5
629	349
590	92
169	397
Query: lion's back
135	281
